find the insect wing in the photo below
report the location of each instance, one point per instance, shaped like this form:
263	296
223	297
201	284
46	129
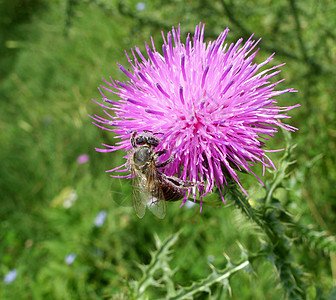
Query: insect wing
158	207
157	203
120	192
138	194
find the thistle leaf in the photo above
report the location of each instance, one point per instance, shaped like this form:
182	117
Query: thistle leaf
216	276
159	261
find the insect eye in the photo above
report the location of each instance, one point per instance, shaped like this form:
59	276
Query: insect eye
141	140
153	141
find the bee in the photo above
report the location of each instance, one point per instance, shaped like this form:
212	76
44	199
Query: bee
150	187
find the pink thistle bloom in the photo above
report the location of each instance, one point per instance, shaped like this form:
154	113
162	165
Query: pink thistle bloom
207	102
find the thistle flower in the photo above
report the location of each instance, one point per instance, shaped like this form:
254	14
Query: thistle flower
209	103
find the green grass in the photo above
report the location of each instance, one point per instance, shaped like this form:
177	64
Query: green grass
49	77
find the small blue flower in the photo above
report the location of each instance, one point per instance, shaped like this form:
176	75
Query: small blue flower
100	219
189	204
10	276
70	258
140	6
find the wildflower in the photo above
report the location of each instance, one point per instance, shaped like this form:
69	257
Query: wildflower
70	258
70	199
140	6
189	204
66	198
209	103
10	276
83	158
100	219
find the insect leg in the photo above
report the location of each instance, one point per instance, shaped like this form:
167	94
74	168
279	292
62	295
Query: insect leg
133	139
168	161
178	182
159	153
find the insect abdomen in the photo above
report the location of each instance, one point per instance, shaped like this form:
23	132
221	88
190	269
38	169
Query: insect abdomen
171	192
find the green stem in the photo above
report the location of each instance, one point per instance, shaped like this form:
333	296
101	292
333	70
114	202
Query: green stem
279	245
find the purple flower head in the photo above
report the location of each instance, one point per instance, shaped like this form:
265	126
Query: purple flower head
83	158
209	104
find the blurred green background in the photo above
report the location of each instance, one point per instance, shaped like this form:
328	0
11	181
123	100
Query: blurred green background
53	55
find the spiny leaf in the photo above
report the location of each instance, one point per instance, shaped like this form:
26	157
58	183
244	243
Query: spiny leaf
159	261
217	276
319	240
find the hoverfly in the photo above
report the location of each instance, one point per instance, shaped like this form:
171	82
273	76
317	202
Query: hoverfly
150	187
